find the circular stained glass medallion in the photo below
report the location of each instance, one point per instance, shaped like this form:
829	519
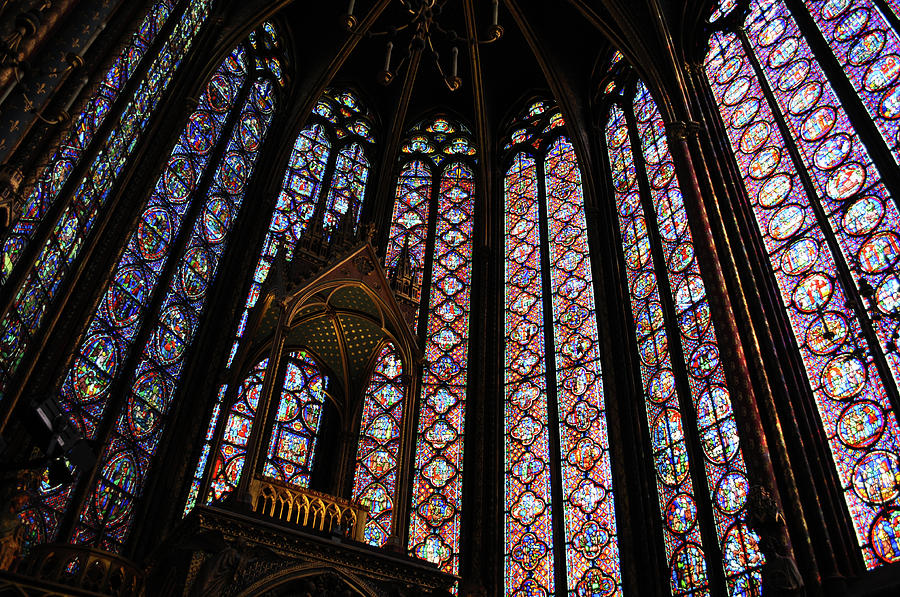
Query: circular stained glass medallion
125	296
818	124
826	332
112	499
863	216
875	477
805	98
861	424
884	532
731	492
845	181
800	256
843	377
774	191
745	112
813	292
681	513
171	338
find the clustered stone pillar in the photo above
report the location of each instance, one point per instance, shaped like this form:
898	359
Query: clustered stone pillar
775	542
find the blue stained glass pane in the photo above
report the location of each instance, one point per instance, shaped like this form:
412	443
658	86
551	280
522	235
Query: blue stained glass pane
85	390
77	219
140	426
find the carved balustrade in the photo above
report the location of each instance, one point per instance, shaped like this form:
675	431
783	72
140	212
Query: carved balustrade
307	508
83	568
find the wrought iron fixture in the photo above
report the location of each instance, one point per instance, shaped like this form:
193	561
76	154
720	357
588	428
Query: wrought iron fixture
426	34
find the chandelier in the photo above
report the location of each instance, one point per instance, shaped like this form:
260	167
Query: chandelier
425	33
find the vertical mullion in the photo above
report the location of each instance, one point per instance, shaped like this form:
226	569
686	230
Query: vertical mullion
557	496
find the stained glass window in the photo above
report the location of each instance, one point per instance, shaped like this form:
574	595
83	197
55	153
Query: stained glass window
375	478
677	498
553	380
233	114
57	254
869	53
339	122
433	224
726	472
829	224
293	446
437	493
639	183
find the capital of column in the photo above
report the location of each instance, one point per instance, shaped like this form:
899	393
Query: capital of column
680	130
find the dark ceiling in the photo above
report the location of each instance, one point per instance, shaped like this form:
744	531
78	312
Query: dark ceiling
560	39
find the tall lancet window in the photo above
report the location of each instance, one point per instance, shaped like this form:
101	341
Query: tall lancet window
439	179
325	179
431	234
193	206
62	208
681	370
555	412
815	139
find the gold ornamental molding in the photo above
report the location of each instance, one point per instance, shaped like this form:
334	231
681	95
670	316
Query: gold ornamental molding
307	508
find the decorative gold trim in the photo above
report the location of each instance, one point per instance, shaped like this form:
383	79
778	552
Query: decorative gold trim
307	508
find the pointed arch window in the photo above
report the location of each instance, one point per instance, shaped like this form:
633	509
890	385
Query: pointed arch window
818	156
554	402
681	370
194	204
324	183
375	477
431	235
56	243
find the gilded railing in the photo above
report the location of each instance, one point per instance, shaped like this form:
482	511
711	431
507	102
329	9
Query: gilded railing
84	568
307	508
